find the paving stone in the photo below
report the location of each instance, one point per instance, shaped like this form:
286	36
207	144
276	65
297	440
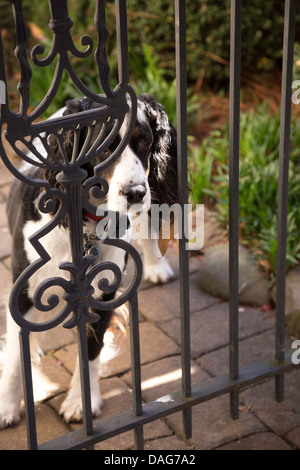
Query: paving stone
6	242
117	397
213	426
49	426
166	443
56	338
161	371
279	417
154	345
116	394
162	377
14	438
251	350
2	324
55	372
3	216
5	175
258	441
67	356
210	327
7	263
4	191
50	380
294	437
212	423
161	303
172	258
125	441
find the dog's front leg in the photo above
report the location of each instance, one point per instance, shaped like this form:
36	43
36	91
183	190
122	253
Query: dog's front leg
11	389
156	268
11	379
71	408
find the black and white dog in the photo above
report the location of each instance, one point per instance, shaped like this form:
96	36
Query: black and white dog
145	173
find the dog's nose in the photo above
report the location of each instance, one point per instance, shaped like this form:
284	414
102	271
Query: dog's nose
134	193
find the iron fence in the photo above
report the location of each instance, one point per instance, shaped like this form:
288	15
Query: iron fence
23	126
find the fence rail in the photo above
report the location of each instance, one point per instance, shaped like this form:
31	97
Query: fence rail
19	125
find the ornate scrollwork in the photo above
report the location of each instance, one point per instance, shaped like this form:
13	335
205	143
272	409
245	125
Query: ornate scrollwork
34	136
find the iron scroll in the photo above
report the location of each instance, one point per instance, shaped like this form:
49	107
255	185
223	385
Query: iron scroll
22	127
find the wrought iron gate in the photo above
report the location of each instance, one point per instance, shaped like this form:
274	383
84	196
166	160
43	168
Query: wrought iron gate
22	127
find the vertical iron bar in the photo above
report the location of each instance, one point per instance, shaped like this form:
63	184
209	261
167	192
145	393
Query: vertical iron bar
85	378
181	94
74	190
234	136
136	367
28	389
122	41
285	125
123	68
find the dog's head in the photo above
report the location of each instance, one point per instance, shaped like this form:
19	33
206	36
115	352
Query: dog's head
145	172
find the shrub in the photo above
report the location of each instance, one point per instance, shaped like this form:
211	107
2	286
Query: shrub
208	35
208	31
258	184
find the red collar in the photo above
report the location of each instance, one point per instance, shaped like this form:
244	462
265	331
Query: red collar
97	218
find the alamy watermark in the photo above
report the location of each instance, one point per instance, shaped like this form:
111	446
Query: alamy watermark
2	92
296	354
165	223
295	95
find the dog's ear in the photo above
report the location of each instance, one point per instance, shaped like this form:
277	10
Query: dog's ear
76	105
162	176
163	154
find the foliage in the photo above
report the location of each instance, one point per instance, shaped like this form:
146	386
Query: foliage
152	23
37	17
208	35
152	63
203	162
258	183
162	84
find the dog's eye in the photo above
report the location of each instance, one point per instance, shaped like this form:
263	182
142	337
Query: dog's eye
144	144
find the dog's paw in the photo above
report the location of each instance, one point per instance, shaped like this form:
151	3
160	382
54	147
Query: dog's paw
9	414
71	408
159	272
10	400
43	387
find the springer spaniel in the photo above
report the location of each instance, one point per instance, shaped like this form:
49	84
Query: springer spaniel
145	173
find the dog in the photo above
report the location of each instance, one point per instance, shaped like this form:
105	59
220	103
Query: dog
144	173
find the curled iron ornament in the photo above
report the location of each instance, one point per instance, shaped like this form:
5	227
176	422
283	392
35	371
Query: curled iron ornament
21	128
